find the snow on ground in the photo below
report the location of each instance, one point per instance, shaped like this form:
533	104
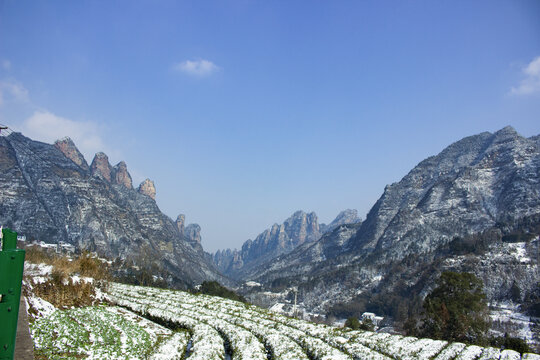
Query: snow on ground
155	330
98	332
278	307
41	307
519	251
173	348
507	315
38	273
77	279
94	332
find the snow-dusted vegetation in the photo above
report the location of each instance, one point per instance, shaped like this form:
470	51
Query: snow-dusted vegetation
98	332
221	327
69	328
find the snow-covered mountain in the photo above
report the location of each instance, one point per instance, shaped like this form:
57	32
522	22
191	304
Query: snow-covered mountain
477	194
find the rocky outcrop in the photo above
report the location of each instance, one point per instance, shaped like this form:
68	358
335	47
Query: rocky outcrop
193	233
49	197
147	188
101	167
121	175
68	148
180	224
299	229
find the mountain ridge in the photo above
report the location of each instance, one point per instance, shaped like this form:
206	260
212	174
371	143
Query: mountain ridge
48	192
298	229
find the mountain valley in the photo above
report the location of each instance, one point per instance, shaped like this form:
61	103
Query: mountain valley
474	207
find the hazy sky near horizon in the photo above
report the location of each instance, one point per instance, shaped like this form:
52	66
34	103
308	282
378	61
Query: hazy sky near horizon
243	112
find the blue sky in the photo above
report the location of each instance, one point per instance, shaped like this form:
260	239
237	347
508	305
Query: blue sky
242	112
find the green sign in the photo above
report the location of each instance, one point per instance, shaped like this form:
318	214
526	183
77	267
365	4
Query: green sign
11	272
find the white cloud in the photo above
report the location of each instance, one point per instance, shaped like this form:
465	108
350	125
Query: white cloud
196	67
48	127
11	90
531	81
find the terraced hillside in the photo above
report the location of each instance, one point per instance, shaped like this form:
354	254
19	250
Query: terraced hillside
221	328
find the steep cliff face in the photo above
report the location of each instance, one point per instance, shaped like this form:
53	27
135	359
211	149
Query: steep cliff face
121	176
180	224
52	196
483	182
301	228
68	148
193	233
101	167
147	188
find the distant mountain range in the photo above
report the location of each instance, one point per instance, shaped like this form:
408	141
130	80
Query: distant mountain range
298	229
49	193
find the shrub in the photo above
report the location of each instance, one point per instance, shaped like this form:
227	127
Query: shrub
511	343
352	323
367	325
216	289
60	290
63	293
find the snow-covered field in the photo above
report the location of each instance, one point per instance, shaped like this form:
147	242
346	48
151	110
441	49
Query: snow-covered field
99	332
220	327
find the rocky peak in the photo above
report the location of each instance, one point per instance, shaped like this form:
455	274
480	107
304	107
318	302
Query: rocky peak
180	224
349	216
506	134
302	227
68	148
507	131
101	167
193	233
279	239
147	188
475	182
121	175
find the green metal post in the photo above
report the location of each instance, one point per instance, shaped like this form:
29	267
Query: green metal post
11	272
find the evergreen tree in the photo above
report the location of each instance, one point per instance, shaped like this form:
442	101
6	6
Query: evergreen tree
456	309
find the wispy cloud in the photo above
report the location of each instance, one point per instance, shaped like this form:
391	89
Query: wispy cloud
12	90
48	127
196	67
531	82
